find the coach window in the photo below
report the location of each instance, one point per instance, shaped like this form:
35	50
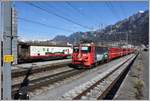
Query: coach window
47	49
43	49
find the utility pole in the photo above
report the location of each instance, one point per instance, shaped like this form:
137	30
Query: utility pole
7	57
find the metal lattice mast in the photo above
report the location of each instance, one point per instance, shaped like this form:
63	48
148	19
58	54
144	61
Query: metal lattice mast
14	35
6	28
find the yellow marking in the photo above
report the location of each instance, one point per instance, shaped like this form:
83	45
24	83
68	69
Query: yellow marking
8	58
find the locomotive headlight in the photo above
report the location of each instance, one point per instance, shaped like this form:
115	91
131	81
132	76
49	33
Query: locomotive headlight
79	56
84	55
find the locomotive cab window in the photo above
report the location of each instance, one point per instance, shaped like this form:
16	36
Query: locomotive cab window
75	49
85	49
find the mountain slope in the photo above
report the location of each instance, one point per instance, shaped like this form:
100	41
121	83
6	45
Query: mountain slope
135	29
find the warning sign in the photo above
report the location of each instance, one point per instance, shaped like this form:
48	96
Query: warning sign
8	58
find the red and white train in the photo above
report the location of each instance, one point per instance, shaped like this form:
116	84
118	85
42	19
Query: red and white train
89	55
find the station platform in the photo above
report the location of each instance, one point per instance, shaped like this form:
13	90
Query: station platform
38	64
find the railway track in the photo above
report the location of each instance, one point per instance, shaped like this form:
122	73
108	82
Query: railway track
99	87
36	83
46	80
37	69
18	80
38	74
39	82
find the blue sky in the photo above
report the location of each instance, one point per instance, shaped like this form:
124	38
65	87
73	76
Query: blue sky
89	14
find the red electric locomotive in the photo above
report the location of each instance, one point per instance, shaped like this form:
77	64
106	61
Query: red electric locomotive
83	55
89	55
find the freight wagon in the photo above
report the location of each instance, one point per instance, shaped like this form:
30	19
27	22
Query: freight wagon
30	53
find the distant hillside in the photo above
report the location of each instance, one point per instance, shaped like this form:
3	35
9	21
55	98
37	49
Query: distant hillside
60	38
136	27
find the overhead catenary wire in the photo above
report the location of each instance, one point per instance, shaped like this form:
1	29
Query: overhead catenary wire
58	10
71	6
97	17
42	24
62	17
76	9
111	10
112	7
125	15
54	8
123	10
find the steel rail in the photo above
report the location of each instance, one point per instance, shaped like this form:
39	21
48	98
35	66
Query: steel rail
50	79
114	82
95	84
37	69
